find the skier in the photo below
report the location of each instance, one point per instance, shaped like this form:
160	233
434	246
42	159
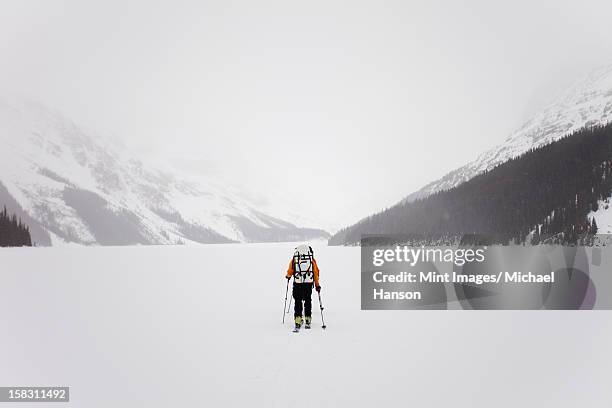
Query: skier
305	272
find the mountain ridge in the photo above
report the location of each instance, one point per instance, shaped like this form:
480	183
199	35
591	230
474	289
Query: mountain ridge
548	194
587	102
74	186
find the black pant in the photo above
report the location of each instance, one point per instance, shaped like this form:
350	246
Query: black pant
302	292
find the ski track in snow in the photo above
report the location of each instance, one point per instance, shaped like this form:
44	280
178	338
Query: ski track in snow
178	326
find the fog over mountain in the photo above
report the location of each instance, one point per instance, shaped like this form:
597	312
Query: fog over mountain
588	102
584	105
363	101
74	186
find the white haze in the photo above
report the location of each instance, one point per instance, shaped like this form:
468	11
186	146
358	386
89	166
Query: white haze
345	106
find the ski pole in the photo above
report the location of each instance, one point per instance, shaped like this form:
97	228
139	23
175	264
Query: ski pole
290	299
285	305
321	306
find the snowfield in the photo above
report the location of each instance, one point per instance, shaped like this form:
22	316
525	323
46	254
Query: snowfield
187	326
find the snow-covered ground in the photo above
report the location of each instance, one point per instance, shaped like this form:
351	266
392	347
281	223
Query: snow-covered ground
603	217
189	326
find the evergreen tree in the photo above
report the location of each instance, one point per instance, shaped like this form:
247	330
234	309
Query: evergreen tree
13	232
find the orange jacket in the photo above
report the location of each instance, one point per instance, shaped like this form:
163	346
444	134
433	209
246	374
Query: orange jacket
315	269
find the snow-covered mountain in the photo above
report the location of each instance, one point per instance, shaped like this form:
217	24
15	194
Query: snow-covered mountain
586	103
71	185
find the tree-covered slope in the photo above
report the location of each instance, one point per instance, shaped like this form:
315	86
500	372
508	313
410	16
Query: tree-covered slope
548	191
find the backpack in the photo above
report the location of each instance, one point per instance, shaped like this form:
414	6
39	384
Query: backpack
303	258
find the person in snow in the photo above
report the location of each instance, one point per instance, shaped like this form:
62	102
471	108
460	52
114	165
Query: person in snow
305	272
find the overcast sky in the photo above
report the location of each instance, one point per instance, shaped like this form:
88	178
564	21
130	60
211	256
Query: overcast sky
348	105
